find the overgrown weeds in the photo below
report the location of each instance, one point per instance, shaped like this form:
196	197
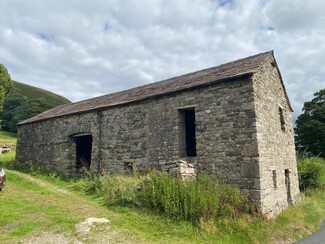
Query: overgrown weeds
89	185
202	198
121	190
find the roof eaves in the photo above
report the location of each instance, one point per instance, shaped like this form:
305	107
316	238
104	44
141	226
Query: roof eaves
100	108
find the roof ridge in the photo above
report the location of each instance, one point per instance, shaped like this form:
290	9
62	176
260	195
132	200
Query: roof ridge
159	81
202	77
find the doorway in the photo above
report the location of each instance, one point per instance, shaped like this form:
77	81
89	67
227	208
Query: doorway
83	152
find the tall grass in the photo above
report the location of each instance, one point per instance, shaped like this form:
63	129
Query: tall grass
203	198
120	190
198	200
115	190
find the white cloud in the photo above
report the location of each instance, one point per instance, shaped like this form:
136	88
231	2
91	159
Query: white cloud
83	49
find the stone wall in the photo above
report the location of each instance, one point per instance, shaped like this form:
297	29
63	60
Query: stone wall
49	143
151	133
276	141
124	137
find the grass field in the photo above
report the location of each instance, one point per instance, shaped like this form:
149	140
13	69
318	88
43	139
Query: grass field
7	138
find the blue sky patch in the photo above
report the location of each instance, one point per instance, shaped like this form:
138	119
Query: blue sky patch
45	37
223	3
106	27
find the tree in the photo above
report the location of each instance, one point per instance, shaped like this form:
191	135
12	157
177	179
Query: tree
310	130
8	113
18	108
5	85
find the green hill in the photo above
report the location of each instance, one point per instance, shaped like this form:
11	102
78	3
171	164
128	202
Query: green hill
25	101
31	92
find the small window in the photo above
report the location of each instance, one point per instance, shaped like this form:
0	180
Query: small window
287	184
275	184
282	121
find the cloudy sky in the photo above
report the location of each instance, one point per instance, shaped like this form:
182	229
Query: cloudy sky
82	49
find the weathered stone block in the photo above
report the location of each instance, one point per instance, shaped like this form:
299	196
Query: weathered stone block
250	170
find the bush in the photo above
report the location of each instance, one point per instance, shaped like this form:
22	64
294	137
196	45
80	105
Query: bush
311	173
202	198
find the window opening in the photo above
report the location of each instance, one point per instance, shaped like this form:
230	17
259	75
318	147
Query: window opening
83	157
275	184
188	120
282	121
287	184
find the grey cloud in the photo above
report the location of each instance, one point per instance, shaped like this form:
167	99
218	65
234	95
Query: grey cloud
296	15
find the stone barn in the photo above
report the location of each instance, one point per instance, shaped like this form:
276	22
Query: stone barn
232	121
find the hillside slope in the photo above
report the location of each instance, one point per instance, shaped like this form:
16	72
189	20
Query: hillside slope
31	92
25	101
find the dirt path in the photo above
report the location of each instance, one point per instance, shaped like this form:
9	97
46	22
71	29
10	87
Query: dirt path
61	216
43	183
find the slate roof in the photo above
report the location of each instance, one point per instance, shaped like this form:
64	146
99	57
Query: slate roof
208	76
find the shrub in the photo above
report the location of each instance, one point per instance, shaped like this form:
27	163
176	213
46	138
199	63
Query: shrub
311	172
202	198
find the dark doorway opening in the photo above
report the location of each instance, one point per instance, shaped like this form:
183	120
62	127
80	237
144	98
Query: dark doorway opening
189	130
287	184
84	147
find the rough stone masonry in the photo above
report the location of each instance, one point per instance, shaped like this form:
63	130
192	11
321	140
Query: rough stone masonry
232	121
